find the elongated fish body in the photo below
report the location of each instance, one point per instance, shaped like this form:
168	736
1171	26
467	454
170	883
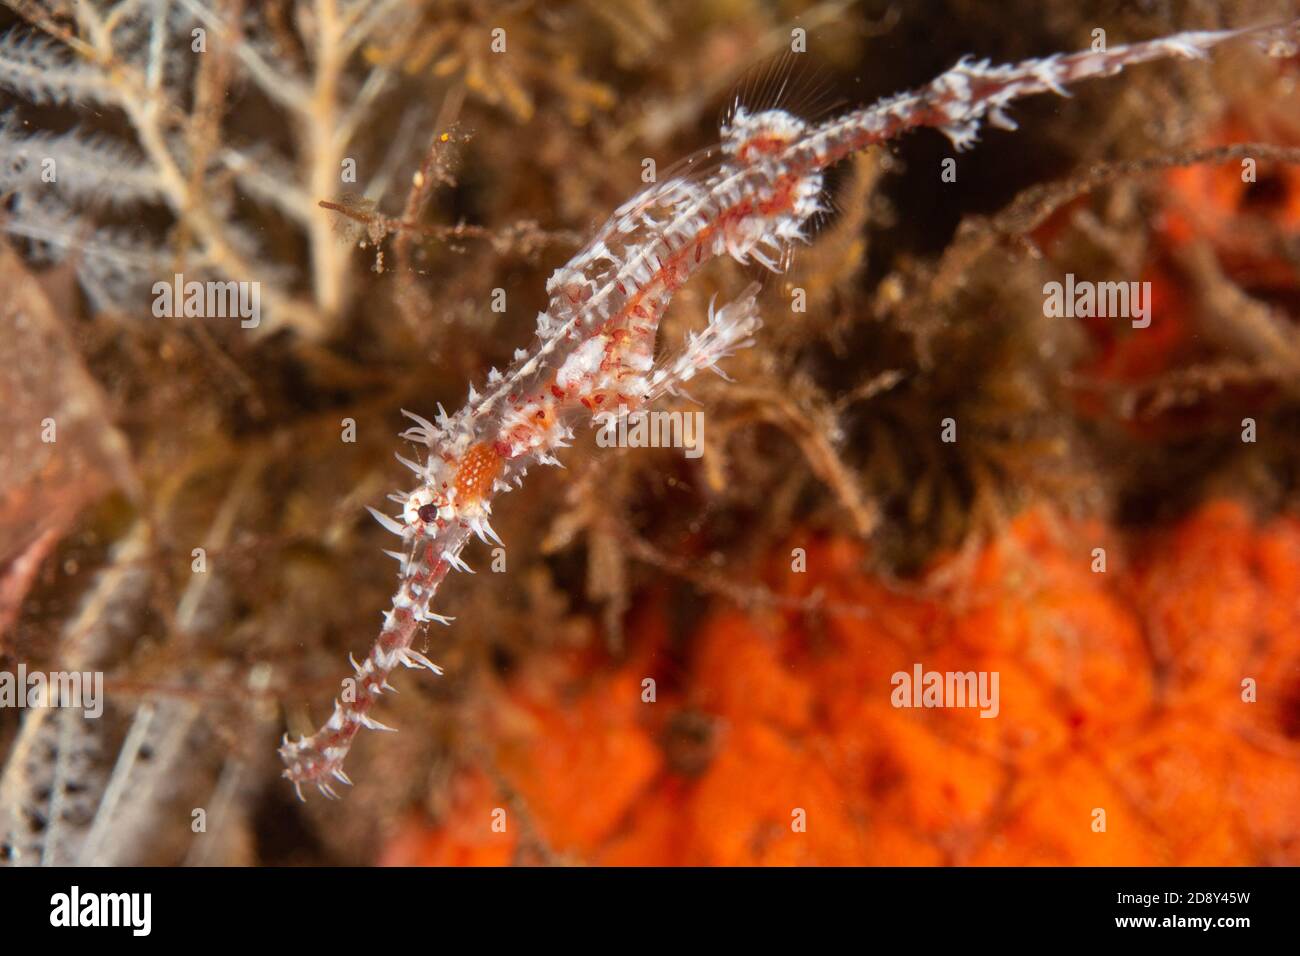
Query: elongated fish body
751	198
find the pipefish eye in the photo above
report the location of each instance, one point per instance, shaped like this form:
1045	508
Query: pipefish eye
428	513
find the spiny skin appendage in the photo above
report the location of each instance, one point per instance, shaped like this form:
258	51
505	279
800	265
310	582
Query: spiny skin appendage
592	355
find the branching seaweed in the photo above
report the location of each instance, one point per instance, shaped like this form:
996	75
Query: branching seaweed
134	58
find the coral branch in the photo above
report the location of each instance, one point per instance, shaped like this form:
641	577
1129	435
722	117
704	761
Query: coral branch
131	56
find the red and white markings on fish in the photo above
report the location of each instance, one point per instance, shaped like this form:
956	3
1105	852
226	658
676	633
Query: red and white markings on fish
751	198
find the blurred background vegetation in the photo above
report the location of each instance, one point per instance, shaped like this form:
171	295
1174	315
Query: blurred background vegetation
477	171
